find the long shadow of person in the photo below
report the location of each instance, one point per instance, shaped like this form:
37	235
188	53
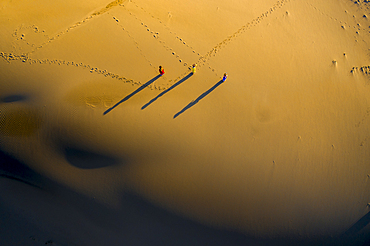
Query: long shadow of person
164	92
354	236
133	93
198	99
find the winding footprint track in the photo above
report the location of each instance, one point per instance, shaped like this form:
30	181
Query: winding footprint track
12	57
364	118
163	43
181	40
133	40
241	30
202	61
343	23
79	23
157	35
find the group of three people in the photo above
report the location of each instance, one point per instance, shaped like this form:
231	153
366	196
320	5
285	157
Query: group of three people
193	70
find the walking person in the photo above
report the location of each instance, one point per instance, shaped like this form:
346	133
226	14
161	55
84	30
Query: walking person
224	78
194	68
161	70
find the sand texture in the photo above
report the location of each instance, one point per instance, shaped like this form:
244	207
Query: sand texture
96	148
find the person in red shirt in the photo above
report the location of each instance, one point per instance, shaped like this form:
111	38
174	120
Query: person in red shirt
161	70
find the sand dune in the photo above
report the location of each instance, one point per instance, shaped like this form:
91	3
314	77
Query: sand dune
98	149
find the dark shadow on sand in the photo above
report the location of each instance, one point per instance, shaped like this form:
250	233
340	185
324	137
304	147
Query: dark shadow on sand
360	224
14	98
136	221
354	236
133	93
12	168
198	99
85	159
169	89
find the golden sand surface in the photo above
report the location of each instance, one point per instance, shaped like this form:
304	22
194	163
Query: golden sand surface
281	149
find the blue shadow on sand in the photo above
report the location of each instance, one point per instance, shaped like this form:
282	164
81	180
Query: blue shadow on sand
13	169
354	236
198	99
133	93
136	220
14	98
164	92
86	159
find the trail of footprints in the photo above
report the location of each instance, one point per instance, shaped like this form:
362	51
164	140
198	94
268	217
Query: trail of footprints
181	40
135	42
357	28
23	35
77	24
12	57
202	61
166	27
361	122
156	35
365	70
344	25
49	40
163	43
366	116
241	30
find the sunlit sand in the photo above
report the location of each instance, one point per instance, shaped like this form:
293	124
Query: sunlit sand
98	148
